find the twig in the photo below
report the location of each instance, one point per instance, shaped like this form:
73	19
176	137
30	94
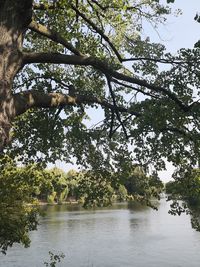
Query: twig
111	124
54	36
99	31
115	105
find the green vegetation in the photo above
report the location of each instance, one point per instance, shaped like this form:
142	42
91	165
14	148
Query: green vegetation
16	217
54	259
54	186
185	195
188	188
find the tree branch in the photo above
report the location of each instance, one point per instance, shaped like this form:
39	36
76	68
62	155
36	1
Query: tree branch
99	5
35	99
99	31
102	66
116	107
125	120
178	131
56	58
134	88
158	60
54	36
111	124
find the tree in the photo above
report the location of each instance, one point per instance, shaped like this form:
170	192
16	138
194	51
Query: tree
140	186
57	57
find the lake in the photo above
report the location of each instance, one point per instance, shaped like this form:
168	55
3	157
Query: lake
119	236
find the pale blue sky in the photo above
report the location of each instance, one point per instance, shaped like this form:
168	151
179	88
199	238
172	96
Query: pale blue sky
181	31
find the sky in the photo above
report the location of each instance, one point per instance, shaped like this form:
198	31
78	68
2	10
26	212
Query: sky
181	31
178	32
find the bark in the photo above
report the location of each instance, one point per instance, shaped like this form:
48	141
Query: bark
35	99
54	36
14	18
105	68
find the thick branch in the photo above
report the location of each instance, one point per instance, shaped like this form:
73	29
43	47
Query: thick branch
35	99
57	58
54	36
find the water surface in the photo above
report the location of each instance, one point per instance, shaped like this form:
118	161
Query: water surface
120	236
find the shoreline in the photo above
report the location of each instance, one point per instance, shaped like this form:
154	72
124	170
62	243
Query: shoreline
43	203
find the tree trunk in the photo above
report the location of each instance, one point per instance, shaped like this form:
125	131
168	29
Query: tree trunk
15	17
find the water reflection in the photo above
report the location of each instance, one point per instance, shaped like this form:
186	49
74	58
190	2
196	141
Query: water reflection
117	236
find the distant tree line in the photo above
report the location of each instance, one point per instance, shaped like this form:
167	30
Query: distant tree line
94	188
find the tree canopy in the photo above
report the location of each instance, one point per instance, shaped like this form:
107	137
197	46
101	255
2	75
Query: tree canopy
80	58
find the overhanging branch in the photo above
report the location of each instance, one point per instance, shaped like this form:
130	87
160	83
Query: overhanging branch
54	36
35	99
102	66
134	88
98	30
116	107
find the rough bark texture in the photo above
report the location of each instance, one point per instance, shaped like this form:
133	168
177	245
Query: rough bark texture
34	99
15	16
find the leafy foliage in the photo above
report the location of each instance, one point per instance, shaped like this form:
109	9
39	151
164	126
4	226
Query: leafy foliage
17	207
185	195
54	259
67	136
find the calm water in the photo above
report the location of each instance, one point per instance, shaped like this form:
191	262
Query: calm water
119	236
